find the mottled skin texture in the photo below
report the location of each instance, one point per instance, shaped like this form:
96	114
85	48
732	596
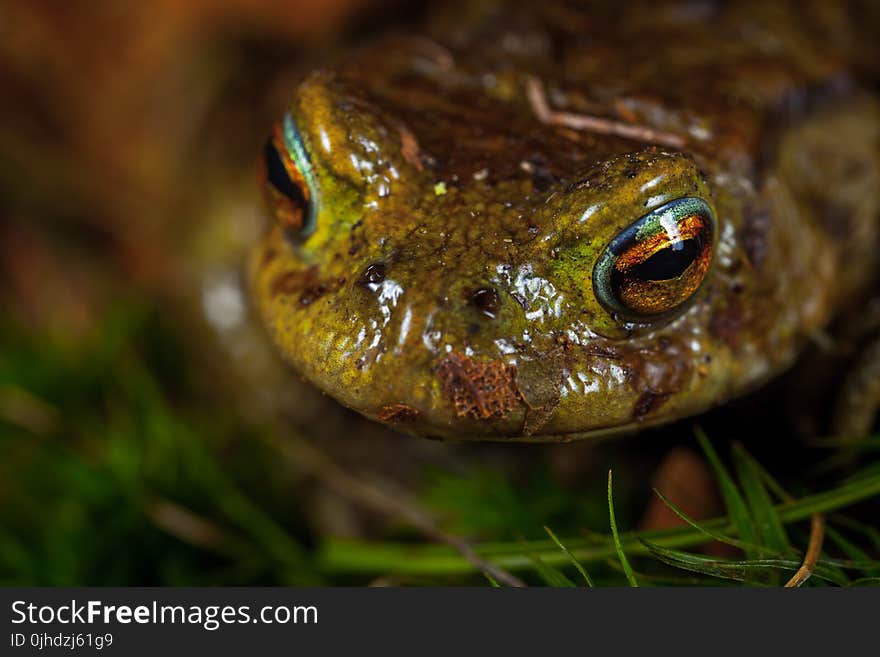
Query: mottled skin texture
781	141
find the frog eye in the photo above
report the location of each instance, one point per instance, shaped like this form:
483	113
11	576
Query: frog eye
289	181
658	263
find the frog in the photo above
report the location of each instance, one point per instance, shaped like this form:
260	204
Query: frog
540	222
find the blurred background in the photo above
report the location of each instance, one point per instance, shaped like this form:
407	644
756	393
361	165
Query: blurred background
148	435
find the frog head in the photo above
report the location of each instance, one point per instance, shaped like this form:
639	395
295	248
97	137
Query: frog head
455	268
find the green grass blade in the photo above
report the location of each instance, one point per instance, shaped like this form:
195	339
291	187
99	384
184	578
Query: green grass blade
700	564
871	443
733	501
492	581
872	534
770	482
853	552
356	556
715	536
624	562
751	570
551	576
574	561
865	581
769	528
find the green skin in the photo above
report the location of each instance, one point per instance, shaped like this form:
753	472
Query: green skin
527	208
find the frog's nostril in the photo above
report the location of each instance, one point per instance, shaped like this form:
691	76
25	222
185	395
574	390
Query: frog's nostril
486	299
373	274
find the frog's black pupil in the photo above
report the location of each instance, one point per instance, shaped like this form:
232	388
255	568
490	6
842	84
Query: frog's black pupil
668	263
277	175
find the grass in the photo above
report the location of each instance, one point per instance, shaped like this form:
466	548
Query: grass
621	555
574	562
358	556
122	467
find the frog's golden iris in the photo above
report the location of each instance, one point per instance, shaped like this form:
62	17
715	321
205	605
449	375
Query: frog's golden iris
658	263
287	179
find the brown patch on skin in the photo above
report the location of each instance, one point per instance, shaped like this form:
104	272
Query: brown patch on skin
726	324
305	283
537	418
312	294
658	371
648	402
268	257
398	413
291	282
482	390
608	353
